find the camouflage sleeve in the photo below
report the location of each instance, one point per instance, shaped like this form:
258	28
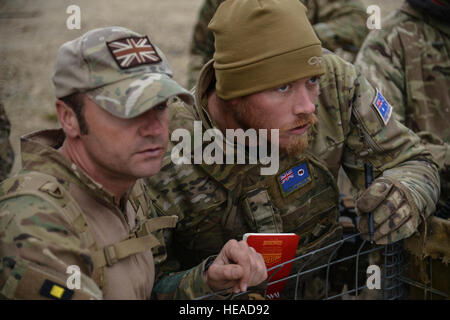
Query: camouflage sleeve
394	151
340	25
6	152
381	61
170	282
37	246
384	60
188	284
439	149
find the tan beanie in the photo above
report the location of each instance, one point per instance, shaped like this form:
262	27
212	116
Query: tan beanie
262	44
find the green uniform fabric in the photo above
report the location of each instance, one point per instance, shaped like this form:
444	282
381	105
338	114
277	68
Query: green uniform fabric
218	202
6	151
36	234
408	60
340	25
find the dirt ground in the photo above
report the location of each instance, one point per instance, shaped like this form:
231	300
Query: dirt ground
32	31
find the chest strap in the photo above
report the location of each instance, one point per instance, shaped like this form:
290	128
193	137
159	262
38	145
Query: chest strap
138	242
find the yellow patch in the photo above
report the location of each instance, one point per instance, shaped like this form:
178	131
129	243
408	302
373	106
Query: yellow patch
57	291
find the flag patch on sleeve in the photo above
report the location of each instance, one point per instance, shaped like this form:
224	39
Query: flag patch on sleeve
294	178
383	108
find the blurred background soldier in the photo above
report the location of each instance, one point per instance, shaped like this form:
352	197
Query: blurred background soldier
340	26
409	61
6	152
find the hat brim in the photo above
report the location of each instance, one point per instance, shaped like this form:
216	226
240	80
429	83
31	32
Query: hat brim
132	97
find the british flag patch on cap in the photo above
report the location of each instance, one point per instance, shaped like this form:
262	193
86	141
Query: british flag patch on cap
133	51
294	178
383	108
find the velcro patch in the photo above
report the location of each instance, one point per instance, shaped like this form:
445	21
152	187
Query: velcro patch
53	290
294	178
133	51
383	108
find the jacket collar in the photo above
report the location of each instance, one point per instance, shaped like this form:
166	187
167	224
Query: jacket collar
39	152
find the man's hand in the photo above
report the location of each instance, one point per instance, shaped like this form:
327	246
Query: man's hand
395	217
238	266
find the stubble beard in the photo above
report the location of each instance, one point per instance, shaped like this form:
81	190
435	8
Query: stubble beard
297	144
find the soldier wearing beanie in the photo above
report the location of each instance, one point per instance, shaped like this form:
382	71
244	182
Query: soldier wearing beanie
340	25
408	59
270	72
76	222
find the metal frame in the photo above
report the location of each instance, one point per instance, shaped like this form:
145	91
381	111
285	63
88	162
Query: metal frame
393	267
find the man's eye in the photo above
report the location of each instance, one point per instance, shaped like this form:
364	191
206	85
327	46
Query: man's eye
161	107
284	88
313	80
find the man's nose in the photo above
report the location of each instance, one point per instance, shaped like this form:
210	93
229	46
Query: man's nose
151	124
302	101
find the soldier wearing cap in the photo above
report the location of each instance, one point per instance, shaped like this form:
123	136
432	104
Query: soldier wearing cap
269	72
340	25
76	204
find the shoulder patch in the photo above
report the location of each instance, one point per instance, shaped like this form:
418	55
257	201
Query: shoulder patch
53	290
383	108
294	178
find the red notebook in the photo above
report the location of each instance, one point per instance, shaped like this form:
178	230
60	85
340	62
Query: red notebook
275	248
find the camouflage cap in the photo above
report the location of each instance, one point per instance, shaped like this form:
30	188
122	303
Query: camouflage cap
120	70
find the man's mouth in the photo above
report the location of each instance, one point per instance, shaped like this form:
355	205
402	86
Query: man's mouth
300	129
151	152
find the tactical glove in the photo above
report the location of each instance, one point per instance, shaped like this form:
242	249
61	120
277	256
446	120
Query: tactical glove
395	215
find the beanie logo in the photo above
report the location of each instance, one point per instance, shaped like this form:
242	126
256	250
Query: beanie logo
133	51
313	61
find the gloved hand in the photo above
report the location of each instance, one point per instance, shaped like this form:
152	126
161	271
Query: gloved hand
395	214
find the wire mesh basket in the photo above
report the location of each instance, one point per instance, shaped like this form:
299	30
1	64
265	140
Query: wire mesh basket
342	273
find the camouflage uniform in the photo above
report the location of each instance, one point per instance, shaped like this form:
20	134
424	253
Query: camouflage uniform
218	202
53	215
408	60
40	240
340	25
6	152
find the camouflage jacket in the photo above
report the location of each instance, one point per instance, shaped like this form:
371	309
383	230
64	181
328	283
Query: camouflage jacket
219	201
340	25
6	152
41	235
408	60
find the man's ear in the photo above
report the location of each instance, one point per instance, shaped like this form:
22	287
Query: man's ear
68	119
